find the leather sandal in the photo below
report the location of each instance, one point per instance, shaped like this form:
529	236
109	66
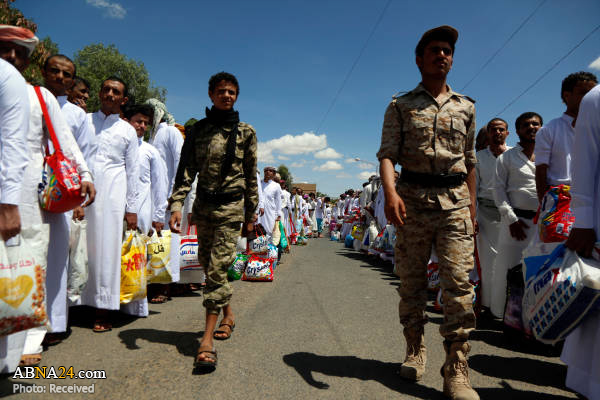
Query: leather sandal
210	358
230	326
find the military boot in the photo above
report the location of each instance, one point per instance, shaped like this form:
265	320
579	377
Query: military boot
413	366
456	372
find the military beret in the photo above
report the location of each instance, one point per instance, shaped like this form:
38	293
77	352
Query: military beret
444	32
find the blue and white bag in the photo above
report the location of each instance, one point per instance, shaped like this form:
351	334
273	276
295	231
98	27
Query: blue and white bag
562	292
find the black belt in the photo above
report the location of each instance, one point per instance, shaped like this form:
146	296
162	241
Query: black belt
430	180
219	197
527	214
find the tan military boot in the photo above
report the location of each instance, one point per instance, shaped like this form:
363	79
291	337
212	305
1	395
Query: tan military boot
413	366
456	372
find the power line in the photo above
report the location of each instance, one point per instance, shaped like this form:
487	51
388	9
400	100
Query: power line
504	45
353	66
549	70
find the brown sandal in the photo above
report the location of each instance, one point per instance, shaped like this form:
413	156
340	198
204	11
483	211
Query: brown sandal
210	358
30	360
228	330
102	326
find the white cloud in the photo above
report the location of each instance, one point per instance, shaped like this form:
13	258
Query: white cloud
113	10
264	156
350	160
364	165
283	158
305	143
364	175
343	175
328	166
298	164
595	64
327	153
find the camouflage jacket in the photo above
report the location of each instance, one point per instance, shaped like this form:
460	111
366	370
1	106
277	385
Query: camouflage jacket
425	136
202	154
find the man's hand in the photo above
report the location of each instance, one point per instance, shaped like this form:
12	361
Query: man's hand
78	213
517	230
261	212
158	227
87	188
395	210
10	221
175	222
131	220
473	212
582	241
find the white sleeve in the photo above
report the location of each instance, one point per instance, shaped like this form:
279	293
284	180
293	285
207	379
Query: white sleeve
14	125
176	143
278	210
543	146
85	138
159	185
500	194
585	161
131	168
65	137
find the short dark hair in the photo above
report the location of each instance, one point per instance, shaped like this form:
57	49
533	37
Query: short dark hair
79	80
144	109
497	119
62	57
222	76
527	115
569	83
117	79
327	199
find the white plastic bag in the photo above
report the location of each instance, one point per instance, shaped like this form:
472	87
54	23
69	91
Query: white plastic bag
77	276
23	281
189	267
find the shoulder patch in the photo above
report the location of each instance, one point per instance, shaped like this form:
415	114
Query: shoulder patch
399	94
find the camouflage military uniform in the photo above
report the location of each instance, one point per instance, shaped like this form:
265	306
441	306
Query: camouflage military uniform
426	137
218	222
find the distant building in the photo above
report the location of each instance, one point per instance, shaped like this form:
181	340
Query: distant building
307	188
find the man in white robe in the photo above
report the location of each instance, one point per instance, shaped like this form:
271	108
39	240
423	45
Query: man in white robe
270	204
14	123
286	199
116	172
516	199
168	141
581	351
297	211
320	213
152	188
488	216
555	140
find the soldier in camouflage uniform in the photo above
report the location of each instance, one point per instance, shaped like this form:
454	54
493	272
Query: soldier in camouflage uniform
430	132
221	151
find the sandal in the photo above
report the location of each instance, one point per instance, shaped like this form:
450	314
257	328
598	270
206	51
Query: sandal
102	325
210	358
30	360
159	299
52	339
228	330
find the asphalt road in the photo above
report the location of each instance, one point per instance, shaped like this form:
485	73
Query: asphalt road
326	328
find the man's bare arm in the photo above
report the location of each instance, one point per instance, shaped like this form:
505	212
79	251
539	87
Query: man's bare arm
541	180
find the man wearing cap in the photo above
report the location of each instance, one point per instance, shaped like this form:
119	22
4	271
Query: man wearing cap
430	132
270	204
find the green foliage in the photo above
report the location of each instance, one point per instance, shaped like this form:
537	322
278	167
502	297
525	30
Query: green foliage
97	62
285	174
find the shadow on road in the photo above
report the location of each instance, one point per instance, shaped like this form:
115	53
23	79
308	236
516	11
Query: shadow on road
185	342
376	263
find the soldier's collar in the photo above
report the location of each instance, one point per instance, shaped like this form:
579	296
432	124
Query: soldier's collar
460	97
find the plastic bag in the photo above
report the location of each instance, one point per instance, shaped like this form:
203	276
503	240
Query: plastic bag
190	270
159	255
358	232
133	267
561	294
260	244
273	253
276	237
433	276
335	235
349	241
513	310
77	275
241	245
23	281
238	267
283	242
258	269
556	217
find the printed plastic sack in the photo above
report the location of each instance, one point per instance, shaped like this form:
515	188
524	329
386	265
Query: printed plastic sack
560	295
302	241
335	235
555	215
258	269
241	244
433	276
276	236
133	267
23	281
349	241
283	242
236	269
159	255
190	270
260	244
77	275
358	232
273	253
513	310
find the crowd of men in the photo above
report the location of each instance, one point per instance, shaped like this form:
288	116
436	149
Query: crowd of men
446	194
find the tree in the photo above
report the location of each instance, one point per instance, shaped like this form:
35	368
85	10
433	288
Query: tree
97	62
12	16
285	175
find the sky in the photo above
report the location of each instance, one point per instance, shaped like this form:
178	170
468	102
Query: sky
293	57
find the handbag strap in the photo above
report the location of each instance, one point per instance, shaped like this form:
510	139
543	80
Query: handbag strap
48	121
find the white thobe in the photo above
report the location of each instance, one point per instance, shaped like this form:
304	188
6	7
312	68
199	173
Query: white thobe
14	157
80	126
553	144
271	204
380	209
116	173
514	187
286	207
168	141
297	211
340	208
581	351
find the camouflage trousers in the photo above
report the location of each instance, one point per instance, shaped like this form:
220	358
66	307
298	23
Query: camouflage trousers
216	252
450	232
